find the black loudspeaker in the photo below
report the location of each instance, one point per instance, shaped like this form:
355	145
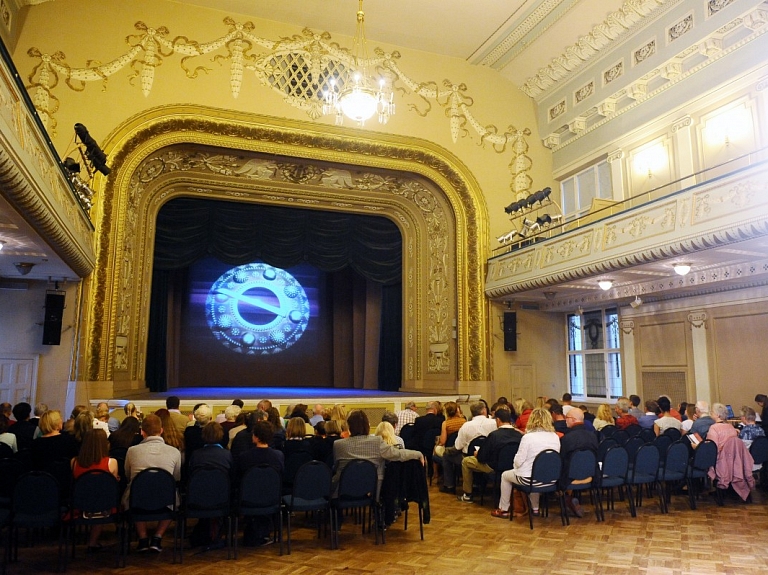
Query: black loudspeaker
54	310
510	331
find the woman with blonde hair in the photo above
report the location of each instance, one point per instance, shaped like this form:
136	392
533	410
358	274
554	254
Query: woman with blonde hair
387	433
171	434
523	408
603	417
539	436
53	445
339	413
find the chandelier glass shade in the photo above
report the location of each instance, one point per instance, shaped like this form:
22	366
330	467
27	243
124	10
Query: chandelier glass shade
361	96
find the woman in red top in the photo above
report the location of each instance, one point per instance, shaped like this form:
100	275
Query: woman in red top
94	454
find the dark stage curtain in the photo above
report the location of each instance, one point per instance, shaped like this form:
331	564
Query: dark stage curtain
188	229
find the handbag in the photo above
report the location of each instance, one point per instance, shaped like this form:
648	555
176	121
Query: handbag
439	450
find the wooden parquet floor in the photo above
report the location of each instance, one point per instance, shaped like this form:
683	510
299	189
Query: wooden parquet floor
464	539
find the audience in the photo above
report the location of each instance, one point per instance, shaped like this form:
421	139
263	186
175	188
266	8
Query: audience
665	420
749	429
179	420
721	431
479	426
634	406
24	429
651	414
603	417
6	437
623	418
703	421
387	433
406	416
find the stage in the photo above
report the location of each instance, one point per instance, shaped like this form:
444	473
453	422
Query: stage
219	398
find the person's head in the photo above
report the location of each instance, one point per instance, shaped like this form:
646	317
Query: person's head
273	416
212	433
77	410
339	412
318	410
604	413
296	428
574	417
390	417
622	405
40	409
264	405
320	428
93	448
22	411
634	400
681	408
540	420
172	402
411	405
702	408
567	398
720	412
652	407
451	409
130	409
203	415
432	406
126	433
6	409
761	399
521	405
255	416
386	432
151	426
503	416
358	424
664	405
5	423
748	415
83	423
332	427
262	433
690	411
478	408
102	411
238	402
231	412
556	411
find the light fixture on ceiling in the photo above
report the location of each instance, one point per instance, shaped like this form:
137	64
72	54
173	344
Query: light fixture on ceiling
605	284
2	244
361	95
636	303
23	267
682	269
550	294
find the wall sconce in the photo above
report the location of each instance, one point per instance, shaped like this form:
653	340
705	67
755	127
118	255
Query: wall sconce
605	284
729	126
650	160
682	269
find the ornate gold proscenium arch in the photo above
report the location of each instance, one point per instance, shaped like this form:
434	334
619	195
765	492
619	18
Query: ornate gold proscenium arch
215	154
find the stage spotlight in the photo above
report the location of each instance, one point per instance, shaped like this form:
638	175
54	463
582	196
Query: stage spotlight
636	303
514	207
93	152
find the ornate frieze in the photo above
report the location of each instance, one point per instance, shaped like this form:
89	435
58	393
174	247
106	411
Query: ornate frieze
614	72
644	52
584	92
557	110
714	6
680	28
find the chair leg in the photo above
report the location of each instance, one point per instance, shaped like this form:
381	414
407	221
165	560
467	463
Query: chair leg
631	499
288	514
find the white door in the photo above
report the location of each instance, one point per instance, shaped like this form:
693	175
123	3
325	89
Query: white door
18	379
522	381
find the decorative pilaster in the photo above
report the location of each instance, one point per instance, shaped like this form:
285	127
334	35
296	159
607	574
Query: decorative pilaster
698	322
682	133
615	159
628	353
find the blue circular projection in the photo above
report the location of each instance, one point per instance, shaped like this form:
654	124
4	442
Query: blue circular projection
257	309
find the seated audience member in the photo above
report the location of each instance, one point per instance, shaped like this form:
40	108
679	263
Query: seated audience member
703	421
486	459
543	401
749	429
24	429
603	417
230	419
762	401
634	406
103	414
558	419
94	455
318	415
406	415
6	410
339	413
539	436
127	435
361	445
69	425
588	416
212	454
523	409
387	433
682	409
151	452
690	417
6	437
721	431
576	438
131	410
243	441
193	434
429	422
650	416
239	426
278	439
391	418
300	410
623	418
665	420
180	421
171	434
40	409
52	445
479	426
296	440
672	411
566	403
256	529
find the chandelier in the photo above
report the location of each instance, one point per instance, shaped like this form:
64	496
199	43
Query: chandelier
361	96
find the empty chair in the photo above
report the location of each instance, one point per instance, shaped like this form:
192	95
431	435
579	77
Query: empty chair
581	474
704	457
207	497
674	470
613	474
643	472
604	446
544	479
311	492
261	496
356	490
36	503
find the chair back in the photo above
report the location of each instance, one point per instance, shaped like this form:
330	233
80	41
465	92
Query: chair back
615	464
704	457
208	492
476	443
506	457
632	445
152	490
582	465
293	463
95	492
646	466
633	429
547	468
260	490
648	435
676	460
604	446
312	482
36	501
663	443
357	484
408	434
673	433
450	441
620	436
607	431
759	449
10	470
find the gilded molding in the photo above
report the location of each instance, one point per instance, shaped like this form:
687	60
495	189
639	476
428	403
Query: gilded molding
136	162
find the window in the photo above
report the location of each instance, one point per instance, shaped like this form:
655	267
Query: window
579	190
594	355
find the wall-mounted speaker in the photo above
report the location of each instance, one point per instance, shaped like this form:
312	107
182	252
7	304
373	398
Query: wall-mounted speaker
510	331
54	310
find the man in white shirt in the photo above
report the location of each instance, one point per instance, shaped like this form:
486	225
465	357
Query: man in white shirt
479	425
566	403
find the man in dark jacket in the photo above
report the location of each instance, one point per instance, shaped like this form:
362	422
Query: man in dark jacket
576	438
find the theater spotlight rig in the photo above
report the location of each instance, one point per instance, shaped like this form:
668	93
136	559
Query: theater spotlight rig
93	160
529	218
